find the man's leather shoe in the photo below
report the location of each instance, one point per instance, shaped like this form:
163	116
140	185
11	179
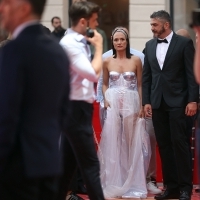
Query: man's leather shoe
197	190
184	195
168	194
73	196
81	190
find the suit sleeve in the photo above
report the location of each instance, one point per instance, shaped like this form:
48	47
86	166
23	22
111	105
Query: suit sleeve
193	88
146	80
11	89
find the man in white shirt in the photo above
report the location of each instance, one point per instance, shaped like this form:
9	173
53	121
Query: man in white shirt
170	93
84	73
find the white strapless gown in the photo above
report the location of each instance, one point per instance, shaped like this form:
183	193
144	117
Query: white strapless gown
124	150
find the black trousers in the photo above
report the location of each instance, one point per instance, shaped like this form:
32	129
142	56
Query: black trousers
15	185
198	145
174	146
29	188
79	147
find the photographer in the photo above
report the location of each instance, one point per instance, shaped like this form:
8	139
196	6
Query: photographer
78	142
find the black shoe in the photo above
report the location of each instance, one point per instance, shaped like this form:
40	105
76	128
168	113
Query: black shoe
81	190
168	194
184	195
197	190
73	196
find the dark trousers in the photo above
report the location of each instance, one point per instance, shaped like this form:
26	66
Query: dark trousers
79	147
197	138
77	185
198	145
29	188
174	146
15	185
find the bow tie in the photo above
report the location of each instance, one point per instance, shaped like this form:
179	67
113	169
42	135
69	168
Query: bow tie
160	41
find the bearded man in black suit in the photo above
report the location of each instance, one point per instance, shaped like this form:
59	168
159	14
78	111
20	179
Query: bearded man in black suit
34	88
170	93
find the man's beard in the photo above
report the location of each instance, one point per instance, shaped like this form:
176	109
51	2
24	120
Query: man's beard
157	34
59	28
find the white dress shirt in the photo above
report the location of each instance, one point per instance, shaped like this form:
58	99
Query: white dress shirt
99	97
161	50
82	72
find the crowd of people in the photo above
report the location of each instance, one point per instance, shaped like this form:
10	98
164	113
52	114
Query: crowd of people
47	94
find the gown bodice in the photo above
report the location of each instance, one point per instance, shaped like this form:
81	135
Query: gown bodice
126	80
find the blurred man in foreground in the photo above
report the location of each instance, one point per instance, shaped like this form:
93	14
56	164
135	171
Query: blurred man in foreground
34	87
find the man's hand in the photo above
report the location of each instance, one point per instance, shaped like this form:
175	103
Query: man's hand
191	109
148	110
97	40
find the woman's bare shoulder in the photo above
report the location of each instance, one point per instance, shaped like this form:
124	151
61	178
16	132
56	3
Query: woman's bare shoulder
135	58
108	59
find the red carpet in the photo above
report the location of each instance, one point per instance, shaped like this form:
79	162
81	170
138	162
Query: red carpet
195	196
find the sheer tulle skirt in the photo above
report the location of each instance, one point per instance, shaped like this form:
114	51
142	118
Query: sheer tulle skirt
124	150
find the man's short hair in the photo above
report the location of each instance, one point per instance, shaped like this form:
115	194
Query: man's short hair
162	15
37	6
82	9
56	17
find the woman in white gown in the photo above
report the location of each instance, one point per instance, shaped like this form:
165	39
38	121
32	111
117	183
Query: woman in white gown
124	149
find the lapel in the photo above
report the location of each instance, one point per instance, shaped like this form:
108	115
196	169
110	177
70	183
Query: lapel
153	50
170	49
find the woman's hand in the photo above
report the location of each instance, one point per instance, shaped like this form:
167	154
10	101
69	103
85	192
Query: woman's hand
141	113
106	104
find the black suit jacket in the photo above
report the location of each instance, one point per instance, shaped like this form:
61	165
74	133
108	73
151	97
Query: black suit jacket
175	82
34	89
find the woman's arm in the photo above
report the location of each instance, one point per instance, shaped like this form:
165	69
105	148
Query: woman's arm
105	81
139	82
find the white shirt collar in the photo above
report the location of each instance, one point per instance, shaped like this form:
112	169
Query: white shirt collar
78	37
21	27
169	37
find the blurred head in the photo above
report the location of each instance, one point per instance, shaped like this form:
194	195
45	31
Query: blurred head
120	41
183	33
15	12
56	23
84	14
160	24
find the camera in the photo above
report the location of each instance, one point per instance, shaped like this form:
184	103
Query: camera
89	32
195	18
